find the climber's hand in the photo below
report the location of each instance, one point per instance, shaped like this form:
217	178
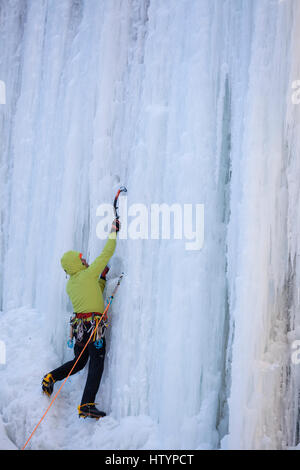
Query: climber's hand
104	272
115	226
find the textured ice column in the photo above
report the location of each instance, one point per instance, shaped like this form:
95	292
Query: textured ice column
167	338
12	25
258	258
292	129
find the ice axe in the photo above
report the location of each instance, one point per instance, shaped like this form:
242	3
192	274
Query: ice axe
122	189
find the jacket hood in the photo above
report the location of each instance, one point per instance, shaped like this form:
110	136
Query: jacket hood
71	262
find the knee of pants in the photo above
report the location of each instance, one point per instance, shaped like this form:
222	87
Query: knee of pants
81	363
83	359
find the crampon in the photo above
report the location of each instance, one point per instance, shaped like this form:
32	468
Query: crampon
89	410
47	384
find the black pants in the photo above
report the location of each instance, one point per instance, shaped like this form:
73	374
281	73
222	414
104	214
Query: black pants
95	371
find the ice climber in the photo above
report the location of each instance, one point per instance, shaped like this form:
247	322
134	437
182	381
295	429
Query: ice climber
85	290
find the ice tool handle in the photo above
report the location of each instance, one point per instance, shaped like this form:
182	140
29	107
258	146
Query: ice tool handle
110	299
122	189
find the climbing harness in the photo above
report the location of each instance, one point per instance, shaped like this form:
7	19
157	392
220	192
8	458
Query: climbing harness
85	322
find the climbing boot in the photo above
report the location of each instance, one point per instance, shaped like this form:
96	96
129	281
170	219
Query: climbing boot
47	384
88	410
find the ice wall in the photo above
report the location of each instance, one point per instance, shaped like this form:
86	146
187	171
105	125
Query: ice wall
184	102
258	277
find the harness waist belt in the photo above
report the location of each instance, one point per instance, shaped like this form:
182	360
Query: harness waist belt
85	316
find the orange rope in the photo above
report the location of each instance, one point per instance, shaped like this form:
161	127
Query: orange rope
51	403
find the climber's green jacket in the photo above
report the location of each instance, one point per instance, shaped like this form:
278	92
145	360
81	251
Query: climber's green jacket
84	286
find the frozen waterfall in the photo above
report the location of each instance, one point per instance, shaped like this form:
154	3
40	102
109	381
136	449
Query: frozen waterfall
185	102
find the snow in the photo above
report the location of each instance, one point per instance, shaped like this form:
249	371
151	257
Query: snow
5	442
184	102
